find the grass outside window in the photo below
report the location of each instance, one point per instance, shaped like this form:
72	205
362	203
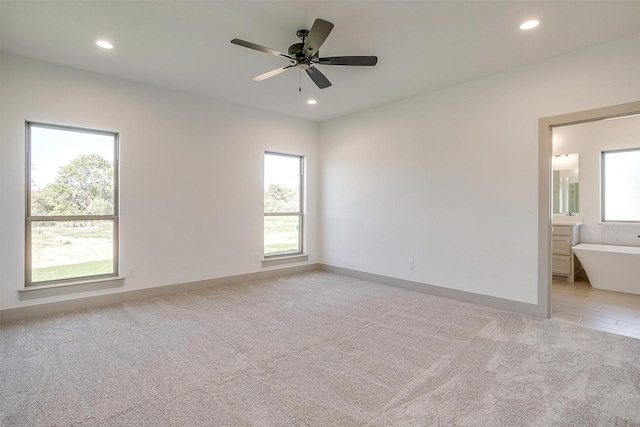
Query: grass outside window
71	249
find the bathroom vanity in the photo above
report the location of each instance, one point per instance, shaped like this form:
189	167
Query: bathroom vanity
566	221
563	261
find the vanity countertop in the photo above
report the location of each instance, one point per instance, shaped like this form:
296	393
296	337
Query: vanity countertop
567	220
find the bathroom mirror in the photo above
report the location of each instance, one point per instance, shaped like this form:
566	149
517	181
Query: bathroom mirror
566	186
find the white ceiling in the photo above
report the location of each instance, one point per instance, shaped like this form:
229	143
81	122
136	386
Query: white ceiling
421	45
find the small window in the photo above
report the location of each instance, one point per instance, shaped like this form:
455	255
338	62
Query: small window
72	204
283	195
621	185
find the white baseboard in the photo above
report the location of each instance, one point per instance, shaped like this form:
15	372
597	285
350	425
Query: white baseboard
495	302
48	308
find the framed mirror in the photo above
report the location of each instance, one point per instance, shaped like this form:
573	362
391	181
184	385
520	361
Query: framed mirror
566	184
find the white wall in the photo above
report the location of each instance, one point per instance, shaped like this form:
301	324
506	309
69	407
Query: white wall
450	178
589	140
191	173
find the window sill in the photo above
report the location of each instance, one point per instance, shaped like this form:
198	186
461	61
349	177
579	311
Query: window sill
44	291
619	223
285	260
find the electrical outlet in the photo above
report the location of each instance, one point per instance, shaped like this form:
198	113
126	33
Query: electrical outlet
412	264
132	272
257	258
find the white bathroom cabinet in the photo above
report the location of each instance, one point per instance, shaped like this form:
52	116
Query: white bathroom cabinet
563	262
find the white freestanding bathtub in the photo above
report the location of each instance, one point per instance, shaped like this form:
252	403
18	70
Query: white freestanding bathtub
614	268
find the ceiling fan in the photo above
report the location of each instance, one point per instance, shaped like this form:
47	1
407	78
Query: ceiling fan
305	55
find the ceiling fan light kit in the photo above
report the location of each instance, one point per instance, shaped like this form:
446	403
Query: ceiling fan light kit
305	55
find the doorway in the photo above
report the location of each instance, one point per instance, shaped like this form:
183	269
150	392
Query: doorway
545	133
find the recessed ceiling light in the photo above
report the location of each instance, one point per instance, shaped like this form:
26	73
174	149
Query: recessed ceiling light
529	24
104	44
311	101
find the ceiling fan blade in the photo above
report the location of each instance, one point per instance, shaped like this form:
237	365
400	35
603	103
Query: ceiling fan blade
317	35
318	78
271	73
259	48
363	61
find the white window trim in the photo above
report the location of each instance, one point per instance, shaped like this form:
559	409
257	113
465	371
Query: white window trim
287	257
91	281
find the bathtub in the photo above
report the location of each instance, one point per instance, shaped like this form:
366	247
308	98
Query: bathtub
614	268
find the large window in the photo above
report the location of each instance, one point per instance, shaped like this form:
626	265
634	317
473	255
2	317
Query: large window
283	195
621	185
72	204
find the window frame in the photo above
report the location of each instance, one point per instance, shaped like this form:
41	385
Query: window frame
29	218
603	186
299	213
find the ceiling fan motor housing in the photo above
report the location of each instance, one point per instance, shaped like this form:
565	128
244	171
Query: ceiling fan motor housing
295	51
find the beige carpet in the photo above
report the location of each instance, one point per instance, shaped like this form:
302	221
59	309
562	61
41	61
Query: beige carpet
313	349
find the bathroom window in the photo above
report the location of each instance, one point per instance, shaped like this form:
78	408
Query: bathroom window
621	185
72	204
283	196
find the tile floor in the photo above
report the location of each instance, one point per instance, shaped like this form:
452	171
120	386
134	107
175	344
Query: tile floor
609	311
